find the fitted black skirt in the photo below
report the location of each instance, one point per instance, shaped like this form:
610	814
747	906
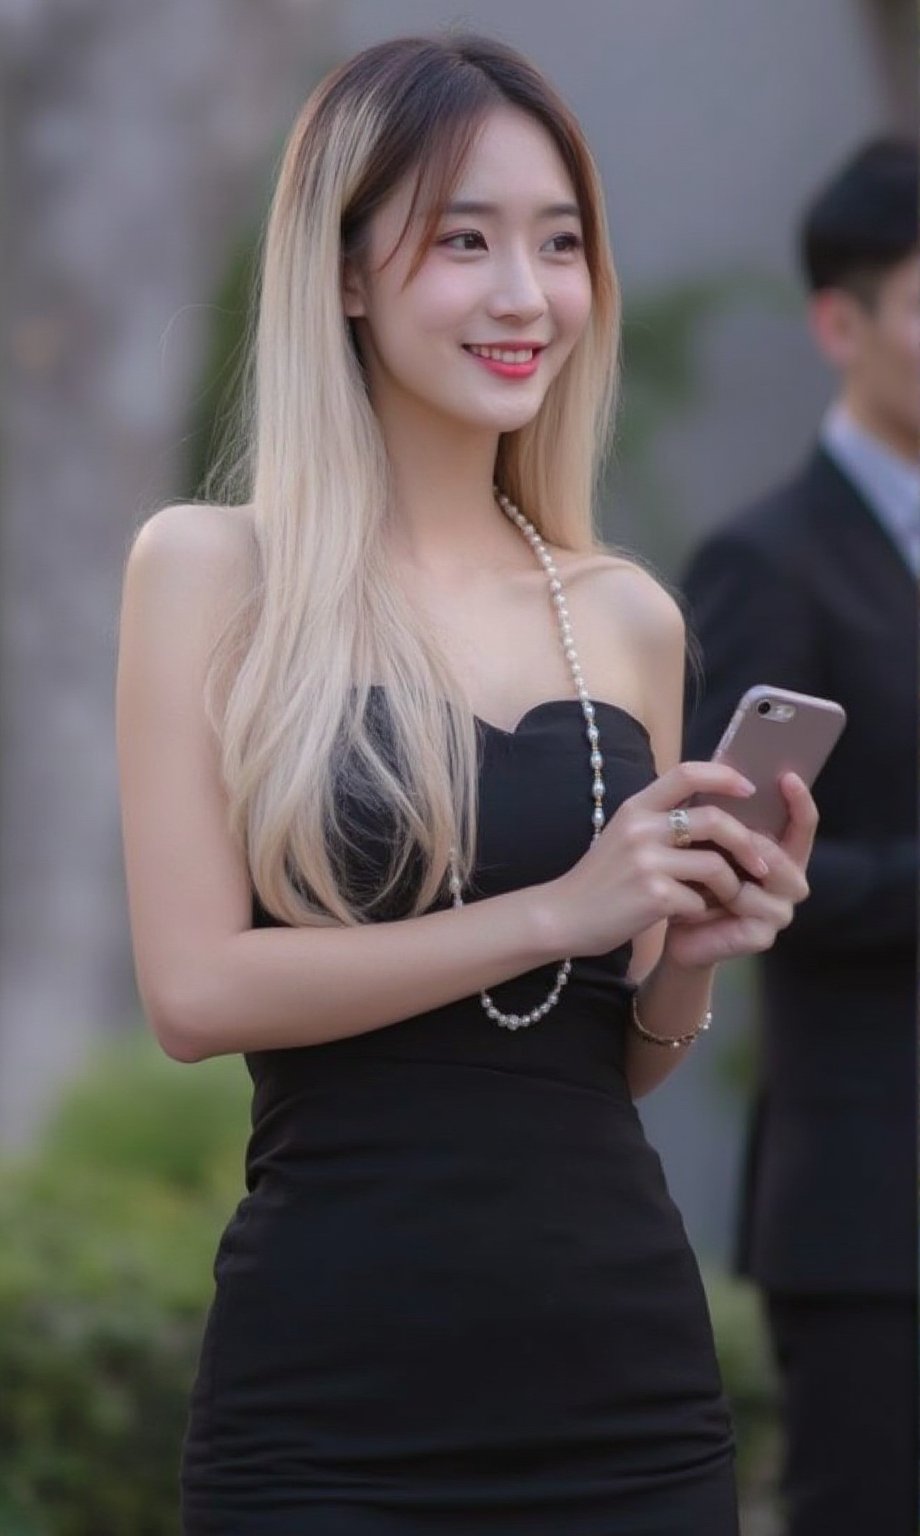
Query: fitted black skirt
458	1299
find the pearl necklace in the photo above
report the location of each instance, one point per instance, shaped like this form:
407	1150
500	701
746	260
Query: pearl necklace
522	1020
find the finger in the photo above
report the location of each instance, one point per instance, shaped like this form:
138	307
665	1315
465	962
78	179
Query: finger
723	940
709	824
703	867
799	836
712	912
756	904
684	904
786	877
685	779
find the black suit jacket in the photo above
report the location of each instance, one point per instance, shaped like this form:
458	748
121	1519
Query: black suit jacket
805	590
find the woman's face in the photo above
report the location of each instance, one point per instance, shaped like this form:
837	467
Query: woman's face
478	334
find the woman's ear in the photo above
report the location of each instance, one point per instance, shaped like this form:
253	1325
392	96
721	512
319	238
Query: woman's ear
352	290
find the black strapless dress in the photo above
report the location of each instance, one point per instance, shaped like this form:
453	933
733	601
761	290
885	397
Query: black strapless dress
457	1297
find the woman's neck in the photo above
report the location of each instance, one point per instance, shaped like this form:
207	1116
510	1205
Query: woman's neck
446	520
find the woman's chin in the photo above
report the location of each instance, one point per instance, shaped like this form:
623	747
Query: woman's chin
510	417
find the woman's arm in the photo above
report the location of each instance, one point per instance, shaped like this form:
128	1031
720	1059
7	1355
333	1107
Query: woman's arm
671	1001
209	983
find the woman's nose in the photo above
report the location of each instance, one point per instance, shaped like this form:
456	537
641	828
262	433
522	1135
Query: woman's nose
517	291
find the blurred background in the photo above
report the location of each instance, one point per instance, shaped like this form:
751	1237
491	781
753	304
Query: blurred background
139	143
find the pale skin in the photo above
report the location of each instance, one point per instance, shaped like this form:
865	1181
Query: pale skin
210	984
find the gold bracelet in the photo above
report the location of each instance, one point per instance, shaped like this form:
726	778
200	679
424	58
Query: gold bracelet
673	1041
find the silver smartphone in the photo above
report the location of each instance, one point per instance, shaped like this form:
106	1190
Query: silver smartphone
774	731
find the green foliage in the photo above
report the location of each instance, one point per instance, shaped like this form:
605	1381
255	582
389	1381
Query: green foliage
139	1114
107	1239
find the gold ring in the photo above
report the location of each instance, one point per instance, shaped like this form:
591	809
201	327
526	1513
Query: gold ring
679	822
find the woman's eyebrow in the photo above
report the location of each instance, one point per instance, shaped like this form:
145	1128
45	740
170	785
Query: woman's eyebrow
551	211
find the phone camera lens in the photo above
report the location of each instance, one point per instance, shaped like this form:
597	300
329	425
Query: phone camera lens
763	707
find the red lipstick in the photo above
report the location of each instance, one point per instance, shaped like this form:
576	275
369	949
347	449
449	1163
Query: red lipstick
507	370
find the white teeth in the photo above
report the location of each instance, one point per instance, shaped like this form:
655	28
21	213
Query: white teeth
503	354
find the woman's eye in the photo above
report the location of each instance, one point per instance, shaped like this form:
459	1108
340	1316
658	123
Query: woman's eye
569	241
471	240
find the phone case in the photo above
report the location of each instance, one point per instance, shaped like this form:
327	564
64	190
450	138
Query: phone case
774	731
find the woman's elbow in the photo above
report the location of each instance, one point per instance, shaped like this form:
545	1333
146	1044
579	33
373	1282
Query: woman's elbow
178	1023
179	1045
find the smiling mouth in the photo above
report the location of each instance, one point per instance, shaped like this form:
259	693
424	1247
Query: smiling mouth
505	354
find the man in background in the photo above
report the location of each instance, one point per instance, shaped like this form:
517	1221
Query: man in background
814	588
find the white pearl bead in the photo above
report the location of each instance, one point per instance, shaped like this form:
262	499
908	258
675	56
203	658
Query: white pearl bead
516	1020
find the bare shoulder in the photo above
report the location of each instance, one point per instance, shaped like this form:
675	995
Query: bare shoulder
188	572
194	564
632	637
199	537
625	593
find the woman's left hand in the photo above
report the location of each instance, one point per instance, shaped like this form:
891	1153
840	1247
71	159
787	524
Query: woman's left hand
750	922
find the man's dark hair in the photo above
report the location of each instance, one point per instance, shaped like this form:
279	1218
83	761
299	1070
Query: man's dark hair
864	220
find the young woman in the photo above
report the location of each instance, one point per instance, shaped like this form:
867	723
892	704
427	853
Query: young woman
403	824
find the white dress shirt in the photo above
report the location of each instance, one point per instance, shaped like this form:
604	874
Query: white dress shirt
889	483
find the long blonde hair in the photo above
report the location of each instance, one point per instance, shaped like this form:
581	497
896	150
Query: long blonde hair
291	681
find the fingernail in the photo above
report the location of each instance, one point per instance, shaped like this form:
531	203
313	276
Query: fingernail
747	788
763	867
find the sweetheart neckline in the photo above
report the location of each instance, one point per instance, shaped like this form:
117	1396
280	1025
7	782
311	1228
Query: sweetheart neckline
544	704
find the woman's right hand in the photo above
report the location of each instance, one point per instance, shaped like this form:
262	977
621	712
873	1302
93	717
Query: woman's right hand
634	875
